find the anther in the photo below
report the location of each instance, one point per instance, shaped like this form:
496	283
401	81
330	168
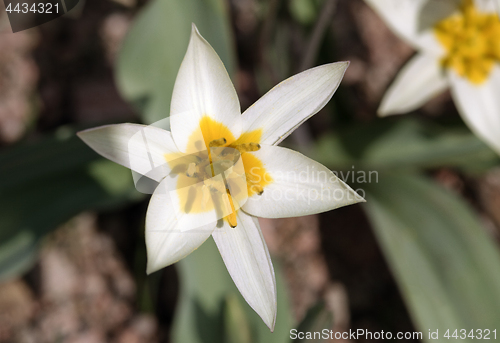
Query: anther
231	218
247	147
217	142
258	189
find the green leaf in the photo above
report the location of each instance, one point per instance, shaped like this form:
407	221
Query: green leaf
404	144
17	255
206	288
44	184
304	11
316	319
50	155
155	46
447	267
236	326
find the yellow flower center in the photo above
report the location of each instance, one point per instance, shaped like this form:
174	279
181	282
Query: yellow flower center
472	42
210	179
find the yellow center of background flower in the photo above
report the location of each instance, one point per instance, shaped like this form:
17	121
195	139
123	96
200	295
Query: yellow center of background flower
214	149
472	42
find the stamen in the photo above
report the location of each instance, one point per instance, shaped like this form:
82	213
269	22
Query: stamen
205	196
208	170
254	182
231	218
217	142
226	151
258	189
247	147
180	168
202	165
220	167
251	178
217	186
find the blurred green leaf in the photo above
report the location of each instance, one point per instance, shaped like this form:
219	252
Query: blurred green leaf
304	11
447	267
404	144
316	319
155	46
29	161
206	286
17	254
44	184
236	325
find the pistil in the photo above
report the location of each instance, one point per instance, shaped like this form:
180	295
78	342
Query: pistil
203	166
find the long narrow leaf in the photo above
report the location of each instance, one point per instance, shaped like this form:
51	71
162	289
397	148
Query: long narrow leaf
447	267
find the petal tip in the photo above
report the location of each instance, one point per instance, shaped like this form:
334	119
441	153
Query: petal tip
195	32
194	28
150	269
382	114
82	133
88	136
357	198
385	110
153	266
271	323
342	64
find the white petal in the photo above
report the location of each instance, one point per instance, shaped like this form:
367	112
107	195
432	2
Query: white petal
479	106
421	79
166	241
138	147
299	187
247	259
412	20
489	6
202	88
497	3
293	101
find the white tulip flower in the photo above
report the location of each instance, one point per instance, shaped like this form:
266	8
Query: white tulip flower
458	43
218	170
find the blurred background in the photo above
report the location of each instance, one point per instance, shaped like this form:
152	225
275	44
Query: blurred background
421	254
